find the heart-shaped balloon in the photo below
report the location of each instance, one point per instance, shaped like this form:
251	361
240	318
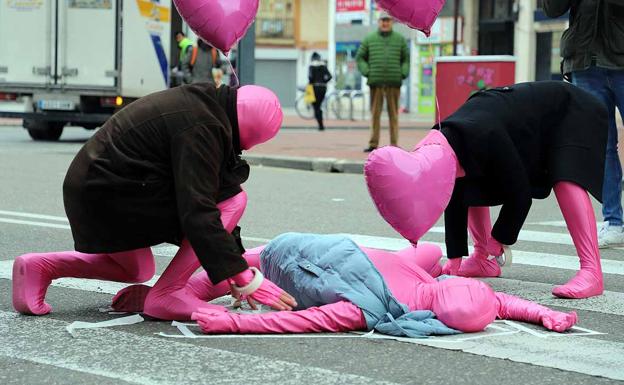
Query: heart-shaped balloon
222	23
411	189
418	14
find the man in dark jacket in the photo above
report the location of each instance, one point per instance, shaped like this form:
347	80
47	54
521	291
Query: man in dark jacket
164	169
384	59
593	56
509	145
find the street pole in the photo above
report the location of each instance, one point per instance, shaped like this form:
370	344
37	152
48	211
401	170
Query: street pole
331	39
245	60
455	26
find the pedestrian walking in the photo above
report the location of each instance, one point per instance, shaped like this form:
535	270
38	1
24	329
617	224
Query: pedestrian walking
207	59
593	57
504	146
318	77
383	58
166	168
184	60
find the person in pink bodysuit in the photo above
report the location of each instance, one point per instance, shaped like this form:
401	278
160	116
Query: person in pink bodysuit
464	304
164	169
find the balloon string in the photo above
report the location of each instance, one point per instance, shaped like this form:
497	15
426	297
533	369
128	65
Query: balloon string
232	70
431	57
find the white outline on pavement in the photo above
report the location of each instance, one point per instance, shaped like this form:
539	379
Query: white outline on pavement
150	360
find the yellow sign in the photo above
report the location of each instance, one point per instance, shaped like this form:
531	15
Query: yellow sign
154	11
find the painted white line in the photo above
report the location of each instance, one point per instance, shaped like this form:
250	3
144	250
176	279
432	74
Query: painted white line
534	236
31	215
150	360
33	223
557	261
93	285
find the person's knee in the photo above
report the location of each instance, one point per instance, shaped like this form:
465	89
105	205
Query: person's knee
139	265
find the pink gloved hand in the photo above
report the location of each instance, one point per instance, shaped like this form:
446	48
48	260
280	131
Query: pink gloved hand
337	317
452	266
515	308
252	286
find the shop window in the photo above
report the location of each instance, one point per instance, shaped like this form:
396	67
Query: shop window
275	22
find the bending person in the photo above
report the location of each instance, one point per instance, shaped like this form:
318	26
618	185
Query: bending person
309	264
504	146
166	168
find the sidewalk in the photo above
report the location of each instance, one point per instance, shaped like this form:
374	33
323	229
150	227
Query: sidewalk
300	145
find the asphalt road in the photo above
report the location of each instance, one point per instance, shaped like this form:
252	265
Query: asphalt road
37	350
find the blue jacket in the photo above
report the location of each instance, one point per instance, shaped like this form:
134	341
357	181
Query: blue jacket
323	269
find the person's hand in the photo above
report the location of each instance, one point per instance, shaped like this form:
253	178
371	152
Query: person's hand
252	286
214	322
558	321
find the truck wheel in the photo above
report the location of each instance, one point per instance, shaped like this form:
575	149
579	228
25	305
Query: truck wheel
47	131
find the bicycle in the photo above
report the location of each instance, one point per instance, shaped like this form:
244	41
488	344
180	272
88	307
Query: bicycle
304	110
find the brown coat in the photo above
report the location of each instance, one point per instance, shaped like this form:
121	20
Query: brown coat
155	172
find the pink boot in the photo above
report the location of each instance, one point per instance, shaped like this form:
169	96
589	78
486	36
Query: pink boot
478	264
33	273
579	216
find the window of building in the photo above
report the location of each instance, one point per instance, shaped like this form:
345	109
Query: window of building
275	22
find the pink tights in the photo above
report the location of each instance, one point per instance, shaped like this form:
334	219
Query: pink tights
34	272
581	222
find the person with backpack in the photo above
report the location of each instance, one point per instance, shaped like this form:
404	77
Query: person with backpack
204	60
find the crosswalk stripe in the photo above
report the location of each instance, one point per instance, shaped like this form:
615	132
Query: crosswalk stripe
149	360
32	215
520	257
533	236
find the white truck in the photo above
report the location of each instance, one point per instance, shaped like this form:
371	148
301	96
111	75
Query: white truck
78	61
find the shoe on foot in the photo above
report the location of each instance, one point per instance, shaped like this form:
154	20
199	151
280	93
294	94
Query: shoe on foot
583	285
369	149
479	267
610	236
30	284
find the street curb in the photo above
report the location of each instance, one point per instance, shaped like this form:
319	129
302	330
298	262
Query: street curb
344	166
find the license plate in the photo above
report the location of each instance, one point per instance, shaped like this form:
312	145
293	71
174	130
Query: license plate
65	105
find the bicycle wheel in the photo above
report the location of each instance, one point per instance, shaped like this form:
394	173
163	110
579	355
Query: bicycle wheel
304	110
337	106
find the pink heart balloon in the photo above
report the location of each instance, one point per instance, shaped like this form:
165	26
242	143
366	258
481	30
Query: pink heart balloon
411	189
418	14
222	23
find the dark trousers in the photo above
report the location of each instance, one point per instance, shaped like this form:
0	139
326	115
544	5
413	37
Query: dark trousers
319	94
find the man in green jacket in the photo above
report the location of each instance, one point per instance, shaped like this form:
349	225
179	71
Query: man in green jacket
383	58
593	56
186	53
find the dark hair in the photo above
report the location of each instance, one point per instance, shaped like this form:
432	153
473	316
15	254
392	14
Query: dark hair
316	56
179	33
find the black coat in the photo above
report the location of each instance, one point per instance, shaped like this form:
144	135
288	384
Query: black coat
155	171
514	144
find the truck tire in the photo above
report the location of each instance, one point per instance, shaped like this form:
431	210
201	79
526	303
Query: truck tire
44	131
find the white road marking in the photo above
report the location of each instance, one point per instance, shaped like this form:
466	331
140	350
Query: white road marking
31	215
566	262
33	223
150	360
533	236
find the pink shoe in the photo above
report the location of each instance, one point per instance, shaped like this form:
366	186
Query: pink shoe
177	305
479	267
131	299
583	285
452	266
30	284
